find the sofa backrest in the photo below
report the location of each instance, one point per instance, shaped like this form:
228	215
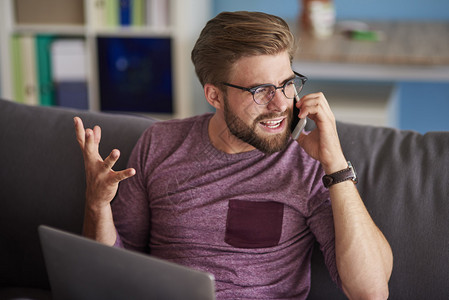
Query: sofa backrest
42	179
404	183
403	180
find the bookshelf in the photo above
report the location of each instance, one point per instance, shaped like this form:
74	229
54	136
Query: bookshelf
90	24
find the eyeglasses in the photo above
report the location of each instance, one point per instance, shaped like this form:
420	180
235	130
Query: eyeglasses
263	94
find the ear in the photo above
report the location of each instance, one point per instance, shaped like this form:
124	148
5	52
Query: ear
213	95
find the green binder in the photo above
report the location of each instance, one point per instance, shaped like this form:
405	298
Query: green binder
17	69
44	76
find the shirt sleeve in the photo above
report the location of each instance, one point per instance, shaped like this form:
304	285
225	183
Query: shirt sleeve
130	207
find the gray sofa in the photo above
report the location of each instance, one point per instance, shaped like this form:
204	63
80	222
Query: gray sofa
403	179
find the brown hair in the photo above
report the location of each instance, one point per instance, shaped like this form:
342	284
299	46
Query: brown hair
233	35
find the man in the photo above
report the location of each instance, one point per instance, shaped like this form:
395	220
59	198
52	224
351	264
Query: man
231	193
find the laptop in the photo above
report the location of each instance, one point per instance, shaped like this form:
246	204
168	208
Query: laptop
80	268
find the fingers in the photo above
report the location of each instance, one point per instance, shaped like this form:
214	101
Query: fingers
323	143
97	134
125	174
92	142
114	177
89	141
79	130
110	161
83	135
315	106
308	105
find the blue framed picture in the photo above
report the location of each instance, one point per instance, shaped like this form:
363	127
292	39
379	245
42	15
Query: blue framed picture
135	74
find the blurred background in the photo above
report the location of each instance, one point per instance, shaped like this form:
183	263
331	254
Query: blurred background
424	10
383	62
399	78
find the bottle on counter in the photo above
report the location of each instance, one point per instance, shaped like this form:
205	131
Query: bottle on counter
318	17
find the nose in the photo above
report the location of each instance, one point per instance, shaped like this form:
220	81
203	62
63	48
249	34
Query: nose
279	102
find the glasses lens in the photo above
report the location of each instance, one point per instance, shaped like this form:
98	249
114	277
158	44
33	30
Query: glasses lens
293	87
264	94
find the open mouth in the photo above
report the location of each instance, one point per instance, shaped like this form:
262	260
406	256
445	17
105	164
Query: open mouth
273	124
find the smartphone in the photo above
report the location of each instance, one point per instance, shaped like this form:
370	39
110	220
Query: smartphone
298	124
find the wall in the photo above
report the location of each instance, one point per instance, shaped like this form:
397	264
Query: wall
425	106
348	9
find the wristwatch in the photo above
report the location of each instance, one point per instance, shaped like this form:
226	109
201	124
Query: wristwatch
340	176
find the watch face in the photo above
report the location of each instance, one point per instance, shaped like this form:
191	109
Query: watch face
354	173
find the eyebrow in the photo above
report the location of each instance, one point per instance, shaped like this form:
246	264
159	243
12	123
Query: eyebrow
290	78
282	83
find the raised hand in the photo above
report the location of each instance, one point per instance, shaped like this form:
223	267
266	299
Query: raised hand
323	143
101	181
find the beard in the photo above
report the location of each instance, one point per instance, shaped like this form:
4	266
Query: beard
268	144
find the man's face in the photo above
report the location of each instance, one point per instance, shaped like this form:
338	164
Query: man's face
265	127
248	133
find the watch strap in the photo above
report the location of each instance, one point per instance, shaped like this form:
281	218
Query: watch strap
340	176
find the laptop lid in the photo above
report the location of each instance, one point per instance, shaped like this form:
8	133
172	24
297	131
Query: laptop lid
80	268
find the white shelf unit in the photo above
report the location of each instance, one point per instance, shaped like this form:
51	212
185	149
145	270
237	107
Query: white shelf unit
187	18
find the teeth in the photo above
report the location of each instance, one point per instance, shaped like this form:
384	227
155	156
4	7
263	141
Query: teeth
272	124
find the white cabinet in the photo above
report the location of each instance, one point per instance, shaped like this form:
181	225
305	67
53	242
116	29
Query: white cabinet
91	21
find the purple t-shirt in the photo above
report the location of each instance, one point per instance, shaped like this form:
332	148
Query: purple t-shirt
250	219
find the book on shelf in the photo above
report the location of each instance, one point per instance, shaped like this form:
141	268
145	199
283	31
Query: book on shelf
112	13
17	69
44	76
126	13
135	74
24	69
97	9
69	73
138	12
158	13
29	71
49	70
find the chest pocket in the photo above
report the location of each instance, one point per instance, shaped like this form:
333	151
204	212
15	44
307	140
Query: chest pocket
252	224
